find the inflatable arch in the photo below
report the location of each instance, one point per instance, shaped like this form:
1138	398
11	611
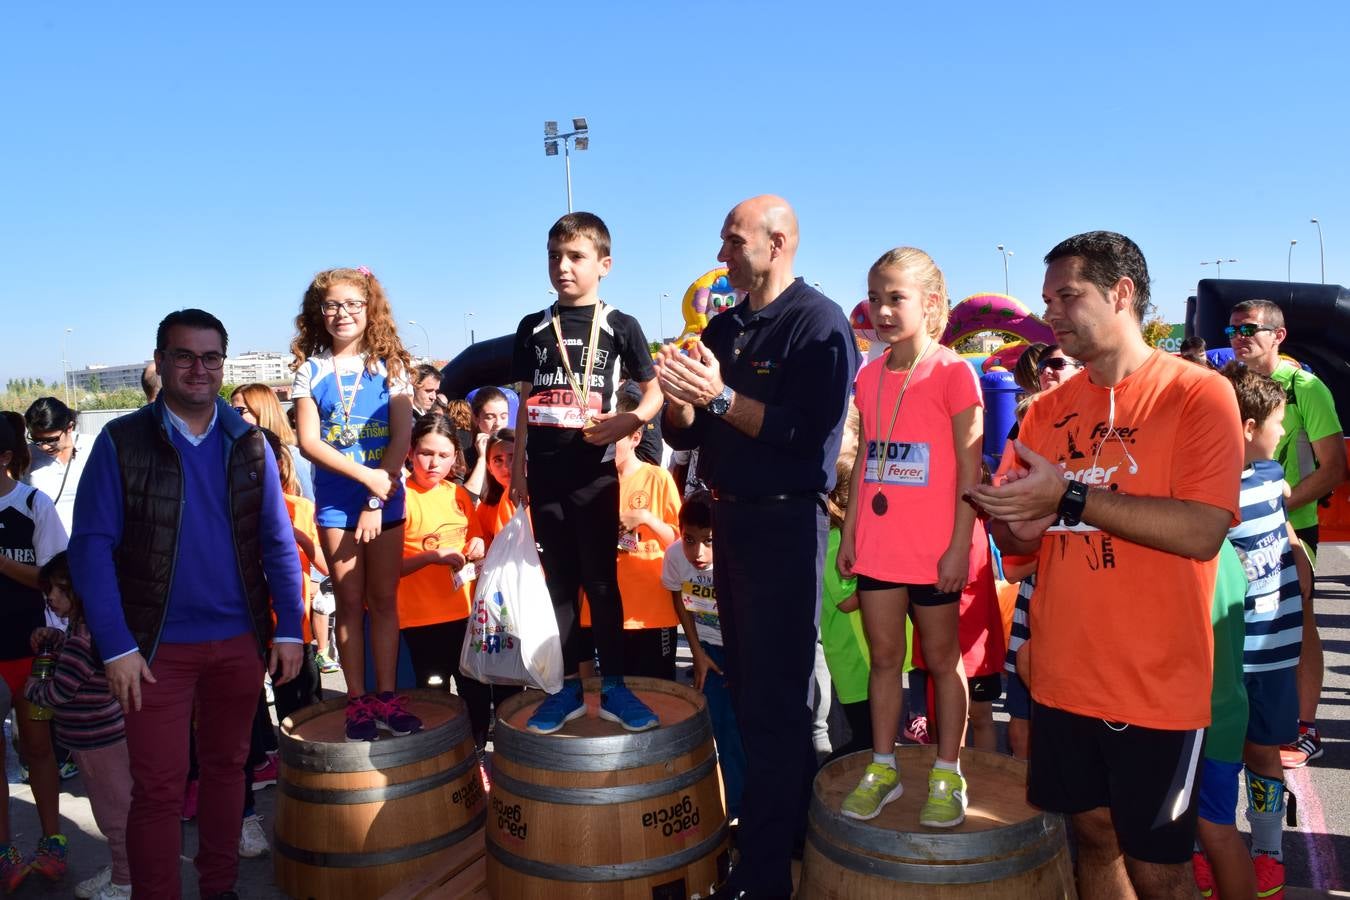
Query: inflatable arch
995	312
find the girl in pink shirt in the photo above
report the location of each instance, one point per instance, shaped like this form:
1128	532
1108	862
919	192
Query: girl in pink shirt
908	535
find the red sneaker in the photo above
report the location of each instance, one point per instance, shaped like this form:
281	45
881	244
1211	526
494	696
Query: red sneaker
50	858
1302	751
265	773
1204	875
1269	876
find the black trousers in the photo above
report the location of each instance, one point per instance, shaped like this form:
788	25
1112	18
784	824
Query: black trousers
577	529
768	562
434	650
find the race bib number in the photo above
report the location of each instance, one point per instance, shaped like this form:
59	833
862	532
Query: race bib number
557	408
699	598
468	572
905	464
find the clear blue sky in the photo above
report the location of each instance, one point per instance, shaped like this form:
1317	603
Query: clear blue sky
156	156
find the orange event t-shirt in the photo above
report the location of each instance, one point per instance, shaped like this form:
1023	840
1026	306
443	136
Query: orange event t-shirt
1122	631
646	604
301	512
441	517
905	544
492	517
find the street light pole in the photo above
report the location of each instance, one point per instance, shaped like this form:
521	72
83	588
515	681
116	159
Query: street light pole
1289	262
1005	254
661	315
1321	250
65	365
467	317
579	135
1217	263
426	335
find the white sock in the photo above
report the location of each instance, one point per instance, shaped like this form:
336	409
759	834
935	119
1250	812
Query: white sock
948	766
884	759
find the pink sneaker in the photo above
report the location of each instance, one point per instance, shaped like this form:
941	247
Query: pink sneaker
917	730
265	773
190	801
1204	875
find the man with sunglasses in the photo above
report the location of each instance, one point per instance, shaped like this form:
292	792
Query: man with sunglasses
183	551
1312	453
59	453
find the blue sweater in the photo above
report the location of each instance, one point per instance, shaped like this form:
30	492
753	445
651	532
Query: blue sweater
206	599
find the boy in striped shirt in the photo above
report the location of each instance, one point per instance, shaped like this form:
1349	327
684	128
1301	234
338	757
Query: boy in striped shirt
1279	576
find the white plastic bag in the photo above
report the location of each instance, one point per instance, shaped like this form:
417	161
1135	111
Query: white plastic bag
512	636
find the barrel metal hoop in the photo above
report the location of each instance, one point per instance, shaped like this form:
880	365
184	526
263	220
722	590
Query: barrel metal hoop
939	847
603	796
1034	854
332	797
324	860
603	754
366	756
643	868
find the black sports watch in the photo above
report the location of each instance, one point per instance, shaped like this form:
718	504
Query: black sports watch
1072	503
719	405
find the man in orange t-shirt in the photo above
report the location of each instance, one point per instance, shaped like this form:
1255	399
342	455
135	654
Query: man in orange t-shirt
1125	482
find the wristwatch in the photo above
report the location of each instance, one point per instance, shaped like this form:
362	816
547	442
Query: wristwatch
719	405
374	503
1072	503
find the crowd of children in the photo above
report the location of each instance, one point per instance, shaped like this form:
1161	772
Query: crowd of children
400	511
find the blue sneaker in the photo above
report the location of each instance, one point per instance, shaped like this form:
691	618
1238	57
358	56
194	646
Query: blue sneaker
557	710
619	704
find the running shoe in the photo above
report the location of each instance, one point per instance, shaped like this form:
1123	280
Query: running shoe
391	714
1204	875
13	869
619	704
361	725
880	785
1269	876
190	801
946	806
252	838
328	665
1302	751
68	770
50	858
917	730
114	892
265	773
90	887
557	710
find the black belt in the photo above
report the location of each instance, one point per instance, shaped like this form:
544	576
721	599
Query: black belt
724	497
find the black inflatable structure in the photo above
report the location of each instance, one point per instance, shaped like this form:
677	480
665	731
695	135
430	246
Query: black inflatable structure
1317	316
486	362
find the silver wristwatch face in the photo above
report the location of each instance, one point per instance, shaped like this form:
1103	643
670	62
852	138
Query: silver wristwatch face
719	405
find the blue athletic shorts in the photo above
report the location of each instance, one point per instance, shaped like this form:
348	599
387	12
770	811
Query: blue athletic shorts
1219	786
1272	703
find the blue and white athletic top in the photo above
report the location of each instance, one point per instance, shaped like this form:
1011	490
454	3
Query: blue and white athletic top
1273	610
338	500
1021	622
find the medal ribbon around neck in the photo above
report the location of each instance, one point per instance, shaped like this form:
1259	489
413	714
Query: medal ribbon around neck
347	403
883	446
581	390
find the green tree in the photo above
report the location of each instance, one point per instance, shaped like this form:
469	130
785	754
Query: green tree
1156	330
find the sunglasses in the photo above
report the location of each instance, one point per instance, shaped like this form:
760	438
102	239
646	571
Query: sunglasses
47	443
1246	329
1056	363
242	410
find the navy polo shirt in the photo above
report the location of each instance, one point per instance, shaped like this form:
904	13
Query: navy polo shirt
797	356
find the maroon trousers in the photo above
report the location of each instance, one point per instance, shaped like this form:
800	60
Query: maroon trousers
222	679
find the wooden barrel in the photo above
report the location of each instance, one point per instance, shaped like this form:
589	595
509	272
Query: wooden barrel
1005	848
593	811
353	820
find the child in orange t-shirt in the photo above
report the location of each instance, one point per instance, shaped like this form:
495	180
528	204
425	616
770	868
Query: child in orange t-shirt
649	522
908	535
495	508
441	542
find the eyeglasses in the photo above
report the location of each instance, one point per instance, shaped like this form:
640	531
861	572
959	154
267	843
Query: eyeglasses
184	359
1246	329
242	410
350	307
1056	363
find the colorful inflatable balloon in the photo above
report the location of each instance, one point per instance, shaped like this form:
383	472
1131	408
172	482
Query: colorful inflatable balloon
710	293
861	320
995	312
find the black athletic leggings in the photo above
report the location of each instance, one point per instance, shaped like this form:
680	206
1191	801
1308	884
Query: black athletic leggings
434	650
578	530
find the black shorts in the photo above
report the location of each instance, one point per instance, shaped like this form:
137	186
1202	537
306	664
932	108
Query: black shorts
985	688
1145	776
919	594
649	652
1308	537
